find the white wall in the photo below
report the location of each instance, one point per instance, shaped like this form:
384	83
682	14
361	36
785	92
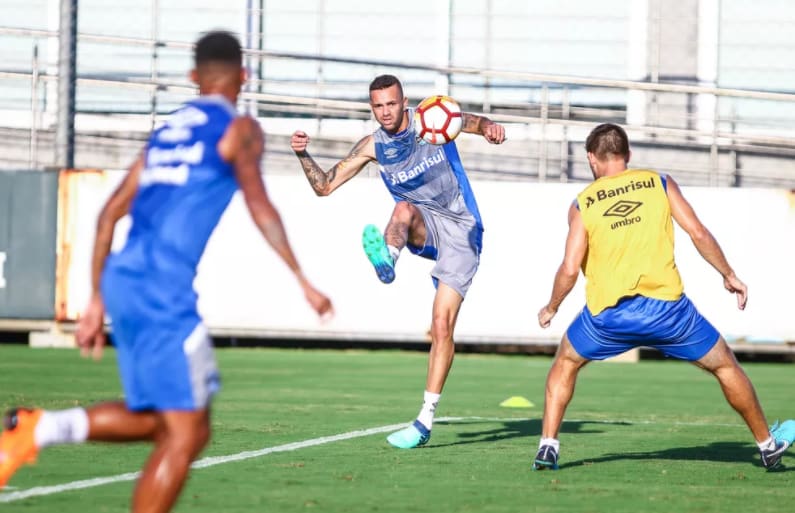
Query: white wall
244	288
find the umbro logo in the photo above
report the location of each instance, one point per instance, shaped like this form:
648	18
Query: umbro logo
622	208
390	153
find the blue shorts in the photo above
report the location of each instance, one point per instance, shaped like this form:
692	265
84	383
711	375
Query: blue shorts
675	328
165	354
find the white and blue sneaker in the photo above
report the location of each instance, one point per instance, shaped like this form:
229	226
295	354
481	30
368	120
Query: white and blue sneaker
415	435
378	254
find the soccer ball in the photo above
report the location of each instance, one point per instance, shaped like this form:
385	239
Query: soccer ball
438	119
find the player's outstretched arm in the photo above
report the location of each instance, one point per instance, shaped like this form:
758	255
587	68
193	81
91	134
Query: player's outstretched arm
243	145
569	270
705	242
90	328
493	132
325	182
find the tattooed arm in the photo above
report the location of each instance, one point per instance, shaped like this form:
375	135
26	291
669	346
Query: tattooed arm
325	182
481	125
243	145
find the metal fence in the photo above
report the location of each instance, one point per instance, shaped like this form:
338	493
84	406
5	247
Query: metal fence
589	68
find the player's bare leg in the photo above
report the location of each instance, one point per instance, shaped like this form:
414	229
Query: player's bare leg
446	305
740	394
184	436
736	386
27	431
405	225
561	380
113	422
408	226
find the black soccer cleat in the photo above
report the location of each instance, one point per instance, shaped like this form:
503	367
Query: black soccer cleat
771	459
546	458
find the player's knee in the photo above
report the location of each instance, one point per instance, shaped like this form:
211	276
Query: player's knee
189	441
403	212
441	328
202	438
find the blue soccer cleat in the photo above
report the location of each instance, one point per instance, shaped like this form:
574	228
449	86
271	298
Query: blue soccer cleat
378	254
415	435
784	431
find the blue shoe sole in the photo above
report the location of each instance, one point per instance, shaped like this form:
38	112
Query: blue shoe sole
543	465
377	253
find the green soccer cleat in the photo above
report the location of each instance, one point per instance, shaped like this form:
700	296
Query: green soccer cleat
378	254
415	435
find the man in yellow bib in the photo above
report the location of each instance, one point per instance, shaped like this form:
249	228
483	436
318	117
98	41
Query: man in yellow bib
622	236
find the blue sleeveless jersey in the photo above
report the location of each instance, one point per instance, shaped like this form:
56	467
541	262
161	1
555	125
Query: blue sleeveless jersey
426	175
184	188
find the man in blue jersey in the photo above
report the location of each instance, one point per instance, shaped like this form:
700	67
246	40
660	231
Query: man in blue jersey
175	193
634	293
435	216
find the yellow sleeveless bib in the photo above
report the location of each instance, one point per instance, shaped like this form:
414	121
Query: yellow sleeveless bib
630	240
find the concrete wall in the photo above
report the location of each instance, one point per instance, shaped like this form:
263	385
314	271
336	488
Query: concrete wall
245	289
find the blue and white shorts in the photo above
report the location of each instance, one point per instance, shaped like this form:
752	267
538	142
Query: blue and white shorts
165	354
455	246
675	328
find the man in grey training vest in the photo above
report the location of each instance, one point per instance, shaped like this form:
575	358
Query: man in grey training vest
435	216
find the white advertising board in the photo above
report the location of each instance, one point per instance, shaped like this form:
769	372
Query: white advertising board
246	290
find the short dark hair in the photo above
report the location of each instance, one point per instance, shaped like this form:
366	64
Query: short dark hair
218	46
384	81
608	140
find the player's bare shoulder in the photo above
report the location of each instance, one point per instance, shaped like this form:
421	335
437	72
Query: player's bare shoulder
364	147
243	136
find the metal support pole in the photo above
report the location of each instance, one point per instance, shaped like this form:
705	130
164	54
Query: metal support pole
542	143
714	156
319	82
489	45
34	109
153	68
565	113
67	64
261	47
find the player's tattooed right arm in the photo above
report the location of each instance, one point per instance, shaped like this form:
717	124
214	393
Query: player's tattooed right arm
325	182
318	179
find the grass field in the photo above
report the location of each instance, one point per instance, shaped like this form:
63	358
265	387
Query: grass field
651	436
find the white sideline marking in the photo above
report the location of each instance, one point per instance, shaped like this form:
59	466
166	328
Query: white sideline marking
40	491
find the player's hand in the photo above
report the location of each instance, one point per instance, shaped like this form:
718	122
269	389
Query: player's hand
90	329
494	133
735	286
299	141
545	316
319	302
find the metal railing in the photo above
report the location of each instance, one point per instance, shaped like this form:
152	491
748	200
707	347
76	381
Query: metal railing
553	119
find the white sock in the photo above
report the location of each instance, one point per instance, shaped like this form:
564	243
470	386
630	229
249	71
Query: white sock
61	427
554	442
429	402
767	445
393	252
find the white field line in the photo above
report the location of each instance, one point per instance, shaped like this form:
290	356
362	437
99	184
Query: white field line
40	491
